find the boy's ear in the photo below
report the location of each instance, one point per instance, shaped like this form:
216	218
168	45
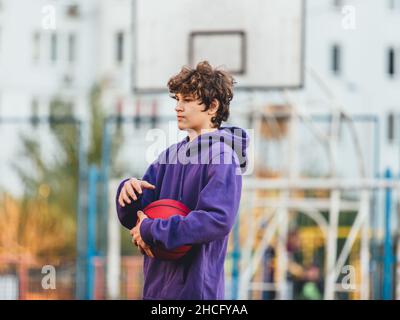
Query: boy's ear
213	107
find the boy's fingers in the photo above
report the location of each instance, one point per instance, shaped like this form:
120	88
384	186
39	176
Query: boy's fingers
122	196
136	185
140	214
120	201
130	191
147	185
144	248
143	244
141	247
148	252
125	197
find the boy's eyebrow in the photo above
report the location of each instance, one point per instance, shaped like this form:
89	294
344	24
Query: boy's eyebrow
186	97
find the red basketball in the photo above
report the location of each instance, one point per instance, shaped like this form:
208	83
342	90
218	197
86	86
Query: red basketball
163	209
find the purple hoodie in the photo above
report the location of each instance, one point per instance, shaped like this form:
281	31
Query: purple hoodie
205	175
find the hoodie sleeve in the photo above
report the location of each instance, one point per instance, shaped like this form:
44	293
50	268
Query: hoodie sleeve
212	219
128	215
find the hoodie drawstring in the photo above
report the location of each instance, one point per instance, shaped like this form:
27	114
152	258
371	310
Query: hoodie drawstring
180	192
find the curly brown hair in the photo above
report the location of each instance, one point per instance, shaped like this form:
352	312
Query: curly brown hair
205	84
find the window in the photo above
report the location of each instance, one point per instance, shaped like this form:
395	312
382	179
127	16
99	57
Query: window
394	4
336	59
391	62
120	47
391	127
36	47
53	47
73	11
71	47
337	3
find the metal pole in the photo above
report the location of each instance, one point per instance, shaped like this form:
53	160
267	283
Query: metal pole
281	247
388	254
113	269
365	254
91	231
80	240
113	250
375	215
331	246
105	171
235	259
247	248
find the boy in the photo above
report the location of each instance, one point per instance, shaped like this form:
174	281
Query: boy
209	182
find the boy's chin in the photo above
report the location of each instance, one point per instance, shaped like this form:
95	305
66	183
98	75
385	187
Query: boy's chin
182	126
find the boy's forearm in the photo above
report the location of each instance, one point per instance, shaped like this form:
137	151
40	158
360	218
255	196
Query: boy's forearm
178	231
212	220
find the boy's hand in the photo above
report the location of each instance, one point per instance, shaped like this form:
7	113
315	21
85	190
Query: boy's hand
137	238
129	188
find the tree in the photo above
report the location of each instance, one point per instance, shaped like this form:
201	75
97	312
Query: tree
57	180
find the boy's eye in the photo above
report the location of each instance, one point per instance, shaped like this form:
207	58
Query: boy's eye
185	99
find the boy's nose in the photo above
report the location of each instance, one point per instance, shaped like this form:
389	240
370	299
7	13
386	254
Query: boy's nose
178	107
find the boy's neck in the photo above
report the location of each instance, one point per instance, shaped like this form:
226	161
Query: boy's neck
194	133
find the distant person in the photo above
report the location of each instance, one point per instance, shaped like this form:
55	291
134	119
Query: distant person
211	189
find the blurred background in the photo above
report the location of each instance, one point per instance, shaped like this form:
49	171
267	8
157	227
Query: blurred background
83	90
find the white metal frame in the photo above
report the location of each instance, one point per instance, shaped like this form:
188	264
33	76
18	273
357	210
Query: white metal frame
278	226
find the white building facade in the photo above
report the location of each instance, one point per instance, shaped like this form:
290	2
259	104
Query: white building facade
355	46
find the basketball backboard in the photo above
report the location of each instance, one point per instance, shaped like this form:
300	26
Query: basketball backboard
259	41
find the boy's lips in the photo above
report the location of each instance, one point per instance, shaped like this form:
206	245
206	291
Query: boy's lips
180	117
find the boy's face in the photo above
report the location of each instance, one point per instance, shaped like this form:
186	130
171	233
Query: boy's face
190	114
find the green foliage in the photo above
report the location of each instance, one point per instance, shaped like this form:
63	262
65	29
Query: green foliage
57	179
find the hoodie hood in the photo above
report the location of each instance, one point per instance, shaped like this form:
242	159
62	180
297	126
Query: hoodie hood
208	146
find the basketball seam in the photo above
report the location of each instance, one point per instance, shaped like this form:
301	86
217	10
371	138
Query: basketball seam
165	205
